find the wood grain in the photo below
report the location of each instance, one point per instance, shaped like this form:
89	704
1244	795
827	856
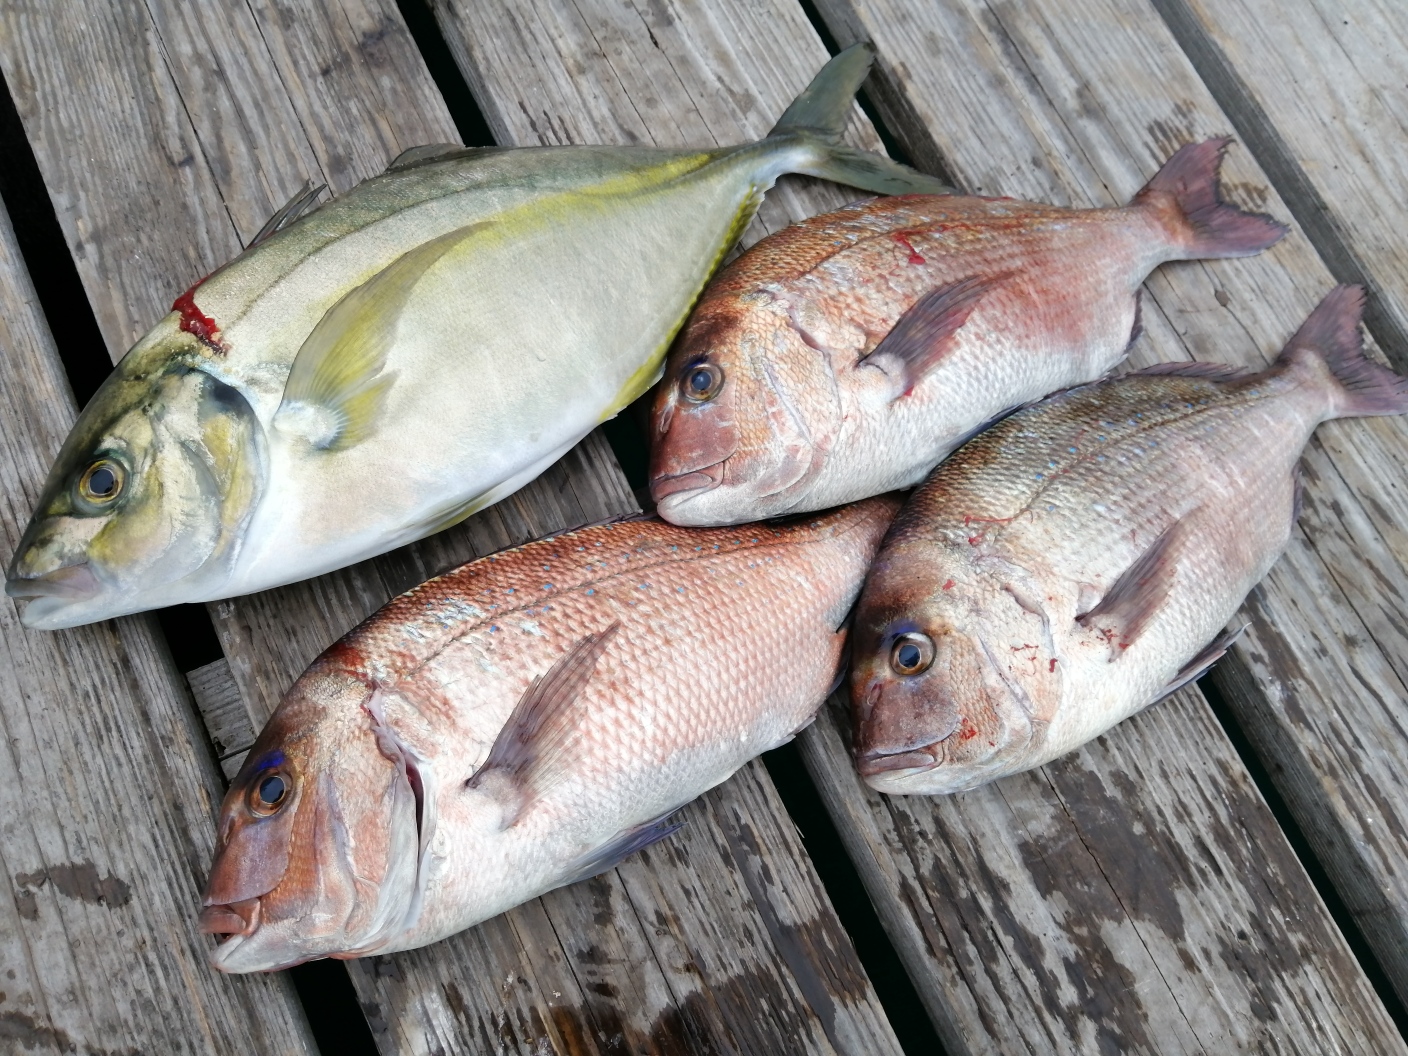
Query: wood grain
259	96
1317	91
620	67
106	794
1078	101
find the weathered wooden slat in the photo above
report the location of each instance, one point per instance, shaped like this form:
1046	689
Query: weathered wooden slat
254	98
621	67
1078	101
1317	90
106	794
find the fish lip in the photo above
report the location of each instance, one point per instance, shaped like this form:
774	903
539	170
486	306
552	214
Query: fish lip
880	761
71	582
680	487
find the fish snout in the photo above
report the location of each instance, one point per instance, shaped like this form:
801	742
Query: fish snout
673	491
883	760
72	582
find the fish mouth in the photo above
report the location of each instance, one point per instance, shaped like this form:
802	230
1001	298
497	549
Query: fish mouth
913	758
70	583
681	487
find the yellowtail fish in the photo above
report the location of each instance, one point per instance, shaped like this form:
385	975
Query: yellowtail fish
1082	558
523	722
401	357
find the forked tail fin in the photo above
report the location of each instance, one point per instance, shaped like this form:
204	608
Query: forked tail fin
1331	335
817	119
1186	190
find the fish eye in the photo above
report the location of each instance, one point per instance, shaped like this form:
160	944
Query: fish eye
912	653
102	481
702	381
268	793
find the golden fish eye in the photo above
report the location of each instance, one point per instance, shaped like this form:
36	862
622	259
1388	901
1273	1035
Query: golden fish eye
912	653
269	793
102	482
701	381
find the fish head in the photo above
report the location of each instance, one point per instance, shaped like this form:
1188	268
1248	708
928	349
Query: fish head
148	495
936	705
743	418
316	852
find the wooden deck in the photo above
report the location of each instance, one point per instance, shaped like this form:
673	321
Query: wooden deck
1137	896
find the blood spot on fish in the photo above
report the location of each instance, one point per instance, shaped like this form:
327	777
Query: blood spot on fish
196	322
903	239
948	584
1051	667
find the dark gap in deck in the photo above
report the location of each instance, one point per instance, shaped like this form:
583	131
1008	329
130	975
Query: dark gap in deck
848	896
324	986
1278	161
1302	849
45	251
459	100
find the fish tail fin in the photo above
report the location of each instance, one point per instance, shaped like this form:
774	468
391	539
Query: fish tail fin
817	120
1186	191
1331	337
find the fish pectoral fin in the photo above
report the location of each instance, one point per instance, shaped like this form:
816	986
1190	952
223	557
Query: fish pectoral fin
338	382
925	333
1138	594
530	751
622	846
1194	668
303	202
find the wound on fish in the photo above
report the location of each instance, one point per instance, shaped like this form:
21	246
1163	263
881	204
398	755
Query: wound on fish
196	322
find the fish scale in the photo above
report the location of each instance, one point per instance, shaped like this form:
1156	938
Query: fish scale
852	352
1076	561
525	720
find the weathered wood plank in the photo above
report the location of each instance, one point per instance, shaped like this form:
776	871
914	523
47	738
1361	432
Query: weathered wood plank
106	794
1317	90
621	65
1078	101
702	971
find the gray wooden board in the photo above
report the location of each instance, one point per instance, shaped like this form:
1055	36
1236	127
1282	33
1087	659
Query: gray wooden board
1079	101
672	72
107	791
1320	90
166	132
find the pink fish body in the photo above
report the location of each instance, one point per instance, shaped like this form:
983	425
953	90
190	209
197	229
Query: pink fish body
848	354
1082	558
522	722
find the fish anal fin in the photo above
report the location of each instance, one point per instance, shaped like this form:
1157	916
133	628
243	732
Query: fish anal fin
1138	594
1195	668
924	334
338	382
622	846
303	202
531	745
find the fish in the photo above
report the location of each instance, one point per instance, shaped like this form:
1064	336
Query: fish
377	368
848	354
1085	556
522	722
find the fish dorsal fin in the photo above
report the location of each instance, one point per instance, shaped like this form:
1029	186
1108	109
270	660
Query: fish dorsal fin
1194	668
1188	368
303	202
542	727
620	847
1140	591
424	154
924	334
338	382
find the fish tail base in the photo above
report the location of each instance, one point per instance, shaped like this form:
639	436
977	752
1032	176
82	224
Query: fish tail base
1331	335
817	120
1187	188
